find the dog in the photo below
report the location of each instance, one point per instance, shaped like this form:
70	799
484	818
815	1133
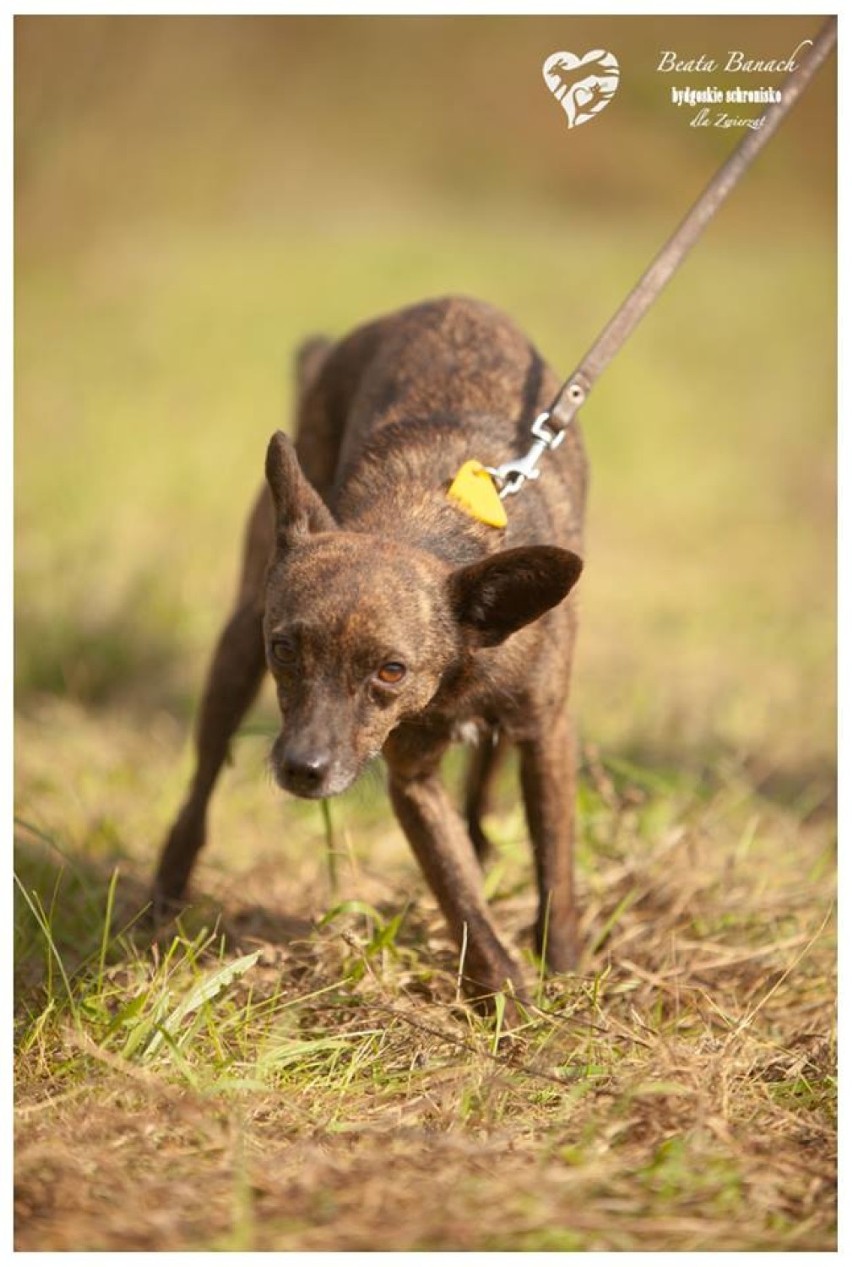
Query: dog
395	617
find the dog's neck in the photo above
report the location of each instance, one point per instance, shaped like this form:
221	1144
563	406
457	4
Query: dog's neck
386	489
429	522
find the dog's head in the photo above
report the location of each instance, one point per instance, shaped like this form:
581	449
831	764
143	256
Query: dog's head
362	630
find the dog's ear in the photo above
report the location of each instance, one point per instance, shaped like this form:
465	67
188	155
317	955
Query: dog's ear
299	509
498	595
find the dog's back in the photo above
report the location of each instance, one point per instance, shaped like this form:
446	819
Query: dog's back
396	408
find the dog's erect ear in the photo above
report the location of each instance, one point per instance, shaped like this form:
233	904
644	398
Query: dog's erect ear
299	509
493	598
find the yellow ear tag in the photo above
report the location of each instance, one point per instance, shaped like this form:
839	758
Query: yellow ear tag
473	489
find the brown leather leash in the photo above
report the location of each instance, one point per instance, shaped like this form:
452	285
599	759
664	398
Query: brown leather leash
549	428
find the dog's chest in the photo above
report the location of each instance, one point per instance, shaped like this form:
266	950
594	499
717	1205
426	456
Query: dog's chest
470	732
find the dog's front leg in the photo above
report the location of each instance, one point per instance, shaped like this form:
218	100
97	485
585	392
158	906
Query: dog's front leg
233	679
548	780
445	852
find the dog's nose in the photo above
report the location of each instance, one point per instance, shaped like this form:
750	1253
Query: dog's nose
305	772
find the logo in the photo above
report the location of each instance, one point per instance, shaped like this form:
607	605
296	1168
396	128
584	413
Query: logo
583	86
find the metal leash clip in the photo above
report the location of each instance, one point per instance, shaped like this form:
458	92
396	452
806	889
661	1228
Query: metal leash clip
511	476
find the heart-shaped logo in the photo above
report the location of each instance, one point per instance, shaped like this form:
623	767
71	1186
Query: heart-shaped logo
582	85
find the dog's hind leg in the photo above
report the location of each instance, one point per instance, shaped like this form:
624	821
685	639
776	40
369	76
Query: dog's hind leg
485	761
233	679
548	780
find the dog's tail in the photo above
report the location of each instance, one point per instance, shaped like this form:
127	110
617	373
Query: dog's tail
309	361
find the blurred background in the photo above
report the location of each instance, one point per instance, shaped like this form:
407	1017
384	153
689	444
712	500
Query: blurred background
195	195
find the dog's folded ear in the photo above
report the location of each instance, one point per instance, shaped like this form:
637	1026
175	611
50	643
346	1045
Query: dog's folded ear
493	598
299	509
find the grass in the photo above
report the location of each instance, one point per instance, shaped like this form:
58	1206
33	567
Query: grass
292	1067
287	1070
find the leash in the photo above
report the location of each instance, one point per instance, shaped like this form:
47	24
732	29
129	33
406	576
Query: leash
549	428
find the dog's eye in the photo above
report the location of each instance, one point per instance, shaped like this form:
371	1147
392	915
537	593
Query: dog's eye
392	673
283	650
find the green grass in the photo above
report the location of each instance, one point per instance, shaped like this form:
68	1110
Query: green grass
128	537
292	1068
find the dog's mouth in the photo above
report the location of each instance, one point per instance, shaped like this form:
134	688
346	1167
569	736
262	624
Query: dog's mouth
310	776
310	786
313	772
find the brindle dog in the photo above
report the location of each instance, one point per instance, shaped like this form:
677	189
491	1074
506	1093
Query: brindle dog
393	620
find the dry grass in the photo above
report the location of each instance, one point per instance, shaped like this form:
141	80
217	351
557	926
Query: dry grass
678	1093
